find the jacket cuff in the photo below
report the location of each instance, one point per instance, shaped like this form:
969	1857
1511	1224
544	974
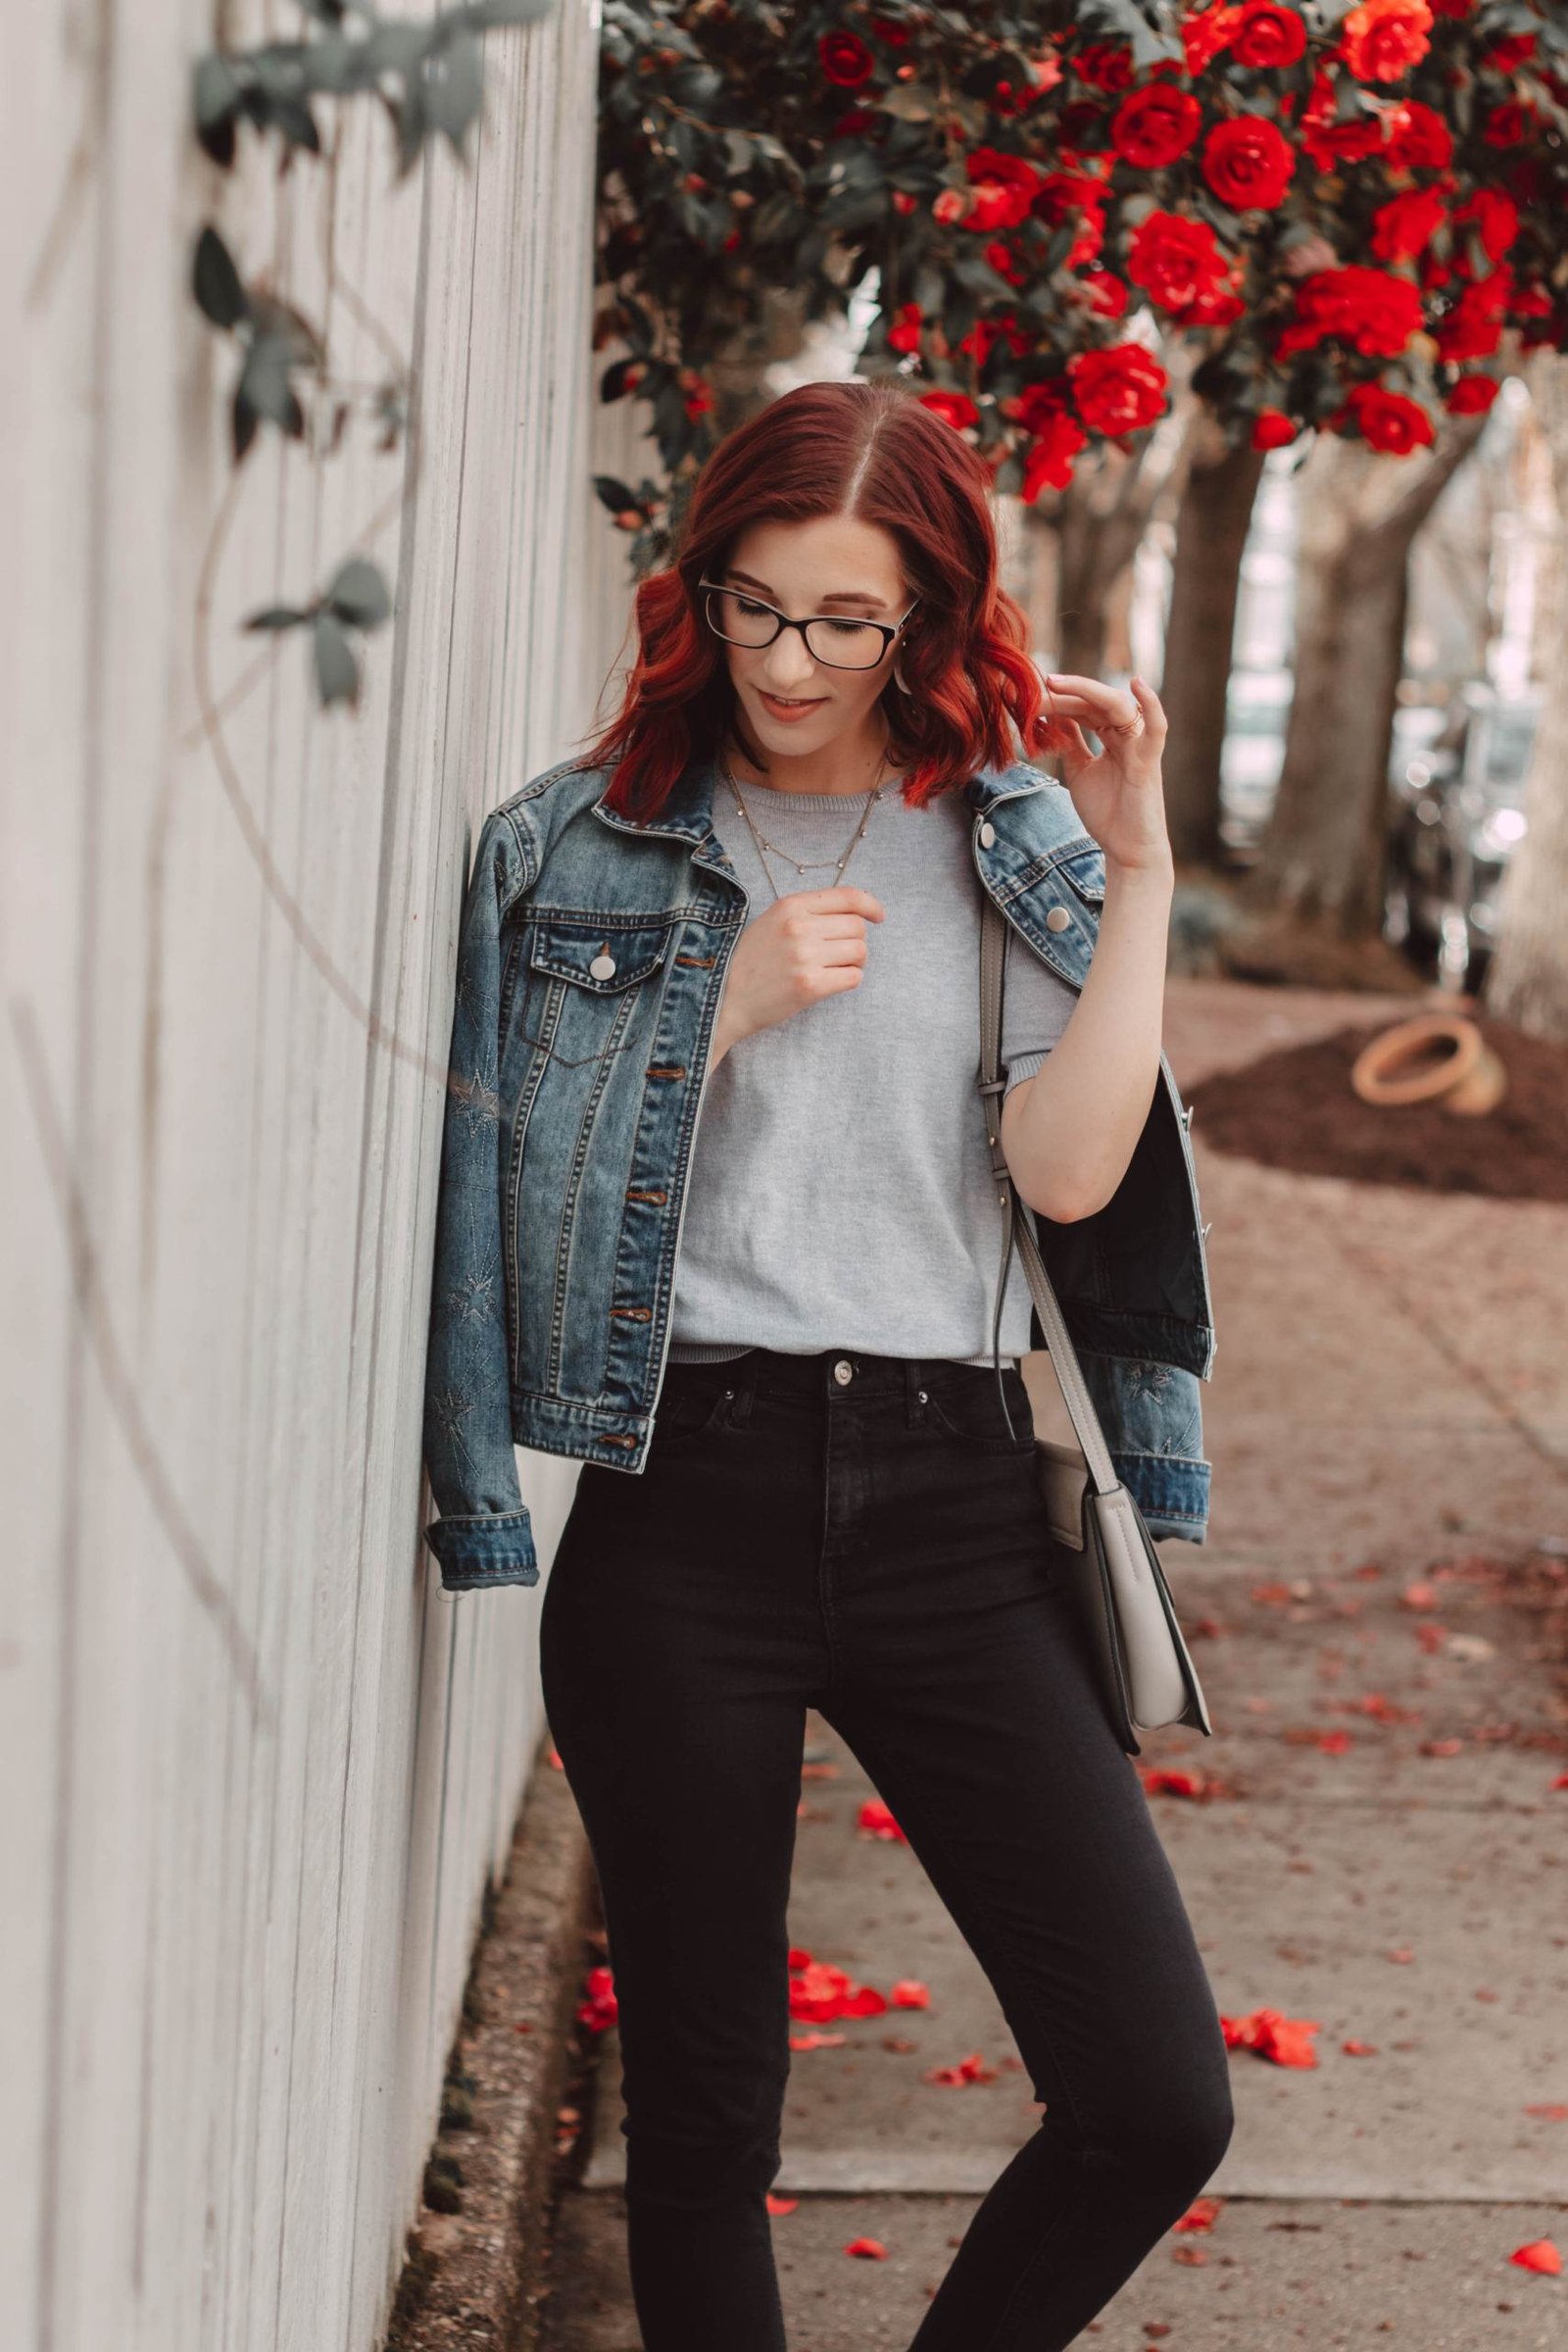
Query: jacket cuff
477	1549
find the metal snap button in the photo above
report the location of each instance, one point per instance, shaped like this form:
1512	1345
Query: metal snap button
988	835
843	1371
1056	918
602	968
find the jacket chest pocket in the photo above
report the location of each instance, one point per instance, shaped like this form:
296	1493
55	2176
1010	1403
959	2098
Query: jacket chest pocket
587	982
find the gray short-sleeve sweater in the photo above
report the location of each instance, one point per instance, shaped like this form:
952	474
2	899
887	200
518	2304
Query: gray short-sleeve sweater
840	1191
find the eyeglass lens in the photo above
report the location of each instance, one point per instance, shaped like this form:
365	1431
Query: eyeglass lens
839	644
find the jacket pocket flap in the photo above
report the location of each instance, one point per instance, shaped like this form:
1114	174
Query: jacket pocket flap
602	958
1085	869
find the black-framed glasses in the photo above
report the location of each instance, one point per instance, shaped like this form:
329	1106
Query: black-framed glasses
831	638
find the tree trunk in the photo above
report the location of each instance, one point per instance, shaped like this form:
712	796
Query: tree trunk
1100	520
1528	979
1211	526
1324	854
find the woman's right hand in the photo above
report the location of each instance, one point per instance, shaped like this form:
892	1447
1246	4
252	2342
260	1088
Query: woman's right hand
807	944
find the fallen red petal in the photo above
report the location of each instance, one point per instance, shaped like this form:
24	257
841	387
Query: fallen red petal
1541	2255
1202	2214
869	2247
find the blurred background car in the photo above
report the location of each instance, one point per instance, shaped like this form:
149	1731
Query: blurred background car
1457	788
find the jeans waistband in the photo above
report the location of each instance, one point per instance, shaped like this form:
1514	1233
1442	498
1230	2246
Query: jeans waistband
837	1371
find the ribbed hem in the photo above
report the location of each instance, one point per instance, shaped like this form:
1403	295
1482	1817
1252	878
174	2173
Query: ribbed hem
718	1351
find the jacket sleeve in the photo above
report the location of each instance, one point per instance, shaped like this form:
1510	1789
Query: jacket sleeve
483	1536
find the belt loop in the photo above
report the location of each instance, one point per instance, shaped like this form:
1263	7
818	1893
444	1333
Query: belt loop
743	1375
913	1384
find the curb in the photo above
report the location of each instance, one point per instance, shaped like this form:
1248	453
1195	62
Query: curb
471	2276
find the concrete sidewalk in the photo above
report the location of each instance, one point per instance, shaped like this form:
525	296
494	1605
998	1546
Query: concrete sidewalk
1388	1420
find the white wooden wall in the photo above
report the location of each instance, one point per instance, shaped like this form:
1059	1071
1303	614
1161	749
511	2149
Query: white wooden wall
256	1766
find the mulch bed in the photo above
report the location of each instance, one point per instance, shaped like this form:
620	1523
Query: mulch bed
1294	1109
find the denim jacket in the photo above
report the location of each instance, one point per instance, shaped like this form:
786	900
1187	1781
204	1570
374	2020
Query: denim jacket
590	959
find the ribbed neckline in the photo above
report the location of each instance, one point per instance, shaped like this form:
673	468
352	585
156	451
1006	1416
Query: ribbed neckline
825	804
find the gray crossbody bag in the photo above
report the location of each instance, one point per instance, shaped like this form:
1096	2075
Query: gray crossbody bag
1147	1677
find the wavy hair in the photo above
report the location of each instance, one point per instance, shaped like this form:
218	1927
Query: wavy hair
870	450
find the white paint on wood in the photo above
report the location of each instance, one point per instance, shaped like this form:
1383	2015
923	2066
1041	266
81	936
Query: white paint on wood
257	1764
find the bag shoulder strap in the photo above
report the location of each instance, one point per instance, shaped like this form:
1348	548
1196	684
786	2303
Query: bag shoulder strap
1017	1226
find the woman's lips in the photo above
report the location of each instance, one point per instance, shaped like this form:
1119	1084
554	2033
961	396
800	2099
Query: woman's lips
788	710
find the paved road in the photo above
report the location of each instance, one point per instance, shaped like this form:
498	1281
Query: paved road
1389	1419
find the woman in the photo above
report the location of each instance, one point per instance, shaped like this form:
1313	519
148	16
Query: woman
770	917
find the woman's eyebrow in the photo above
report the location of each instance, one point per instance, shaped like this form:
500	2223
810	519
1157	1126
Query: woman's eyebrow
845	595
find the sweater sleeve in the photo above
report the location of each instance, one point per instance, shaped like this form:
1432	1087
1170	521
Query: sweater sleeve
1036	1006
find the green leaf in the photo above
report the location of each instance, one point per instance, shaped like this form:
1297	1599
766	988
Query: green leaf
338	673
275	616
217	284
615	494
264	386
358	593
454	86
910	102
215	91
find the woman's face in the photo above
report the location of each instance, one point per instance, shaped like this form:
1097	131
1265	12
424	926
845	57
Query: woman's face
791	702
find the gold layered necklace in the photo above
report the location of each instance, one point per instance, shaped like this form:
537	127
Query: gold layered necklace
833	866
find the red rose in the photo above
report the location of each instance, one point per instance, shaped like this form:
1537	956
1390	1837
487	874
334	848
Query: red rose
1268	35
1103	67
987	331
1005	263
844	59
948	204
1247	164
1272	429
886	29
1329	142
1473	329
953	408
1471	396
1107	296
1037	405
1419	139
1496	220
1212	306
1119	390
1389	421
1050	460
1065	195
1510	51
1206	33
1406	224
905	332
1005	187
1382	39
1154	126
1370	309
1509	125
1173	258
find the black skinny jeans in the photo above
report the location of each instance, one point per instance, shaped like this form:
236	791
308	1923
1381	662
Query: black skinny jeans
874	1548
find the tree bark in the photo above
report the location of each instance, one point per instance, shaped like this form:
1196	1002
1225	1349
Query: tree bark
1324	855
1527	982
1212	527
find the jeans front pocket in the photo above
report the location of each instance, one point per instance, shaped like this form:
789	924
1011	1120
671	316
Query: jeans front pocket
961	1403
694	1402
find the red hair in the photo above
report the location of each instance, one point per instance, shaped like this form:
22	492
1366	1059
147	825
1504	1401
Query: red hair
870	450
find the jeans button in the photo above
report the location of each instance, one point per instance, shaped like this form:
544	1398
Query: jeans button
843	1371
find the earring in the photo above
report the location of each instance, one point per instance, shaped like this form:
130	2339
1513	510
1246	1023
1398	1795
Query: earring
899	679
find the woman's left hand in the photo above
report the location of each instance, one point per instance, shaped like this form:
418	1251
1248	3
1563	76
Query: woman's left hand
1117	793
